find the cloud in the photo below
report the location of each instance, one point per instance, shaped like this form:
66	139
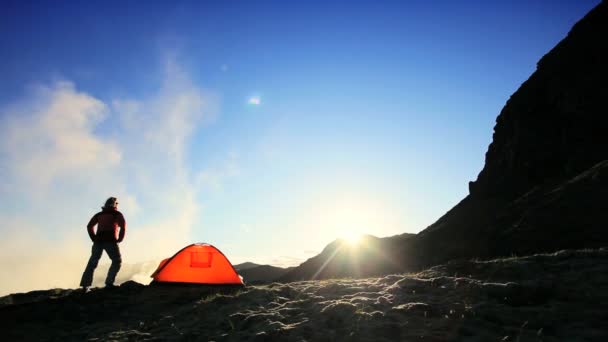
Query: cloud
51	137
63	151
156	135
211	179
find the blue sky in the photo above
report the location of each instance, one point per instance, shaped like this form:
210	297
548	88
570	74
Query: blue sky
372	117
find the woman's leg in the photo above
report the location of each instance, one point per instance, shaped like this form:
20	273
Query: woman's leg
87	276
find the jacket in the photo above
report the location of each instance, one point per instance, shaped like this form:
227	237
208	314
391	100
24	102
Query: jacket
108	221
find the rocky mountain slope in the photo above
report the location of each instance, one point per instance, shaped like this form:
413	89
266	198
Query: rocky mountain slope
550	297
544	183
545	180
554	126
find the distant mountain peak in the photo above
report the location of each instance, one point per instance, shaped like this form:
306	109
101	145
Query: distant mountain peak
245	266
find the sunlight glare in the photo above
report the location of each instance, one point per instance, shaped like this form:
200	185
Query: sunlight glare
352	238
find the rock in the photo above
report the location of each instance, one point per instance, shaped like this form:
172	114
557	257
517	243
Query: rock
545	180
440	309
554	126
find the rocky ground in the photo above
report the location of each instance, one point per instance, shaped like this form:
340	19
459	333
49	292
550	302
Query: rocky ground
548	297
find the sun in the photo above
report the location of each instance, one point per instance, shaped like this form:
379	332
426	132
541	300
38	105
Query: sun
352	238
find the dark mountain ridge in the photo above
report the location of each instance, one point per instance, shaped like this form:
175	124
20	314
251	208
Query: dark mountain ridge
544	184
246	266
554	126
545	180
263	274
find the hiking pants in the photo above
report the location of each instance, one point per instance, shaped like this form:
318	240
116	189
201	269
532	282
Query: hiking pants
113	252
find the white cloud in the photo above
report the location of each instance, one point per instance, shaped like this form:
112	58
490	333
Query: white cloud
51	137
63	151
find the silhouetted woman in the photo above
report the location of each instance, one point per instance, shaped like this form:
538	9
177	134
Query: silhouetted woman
109	222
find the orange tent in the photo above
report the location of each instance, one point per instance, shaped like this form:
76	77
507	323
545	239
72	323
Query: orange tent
199	263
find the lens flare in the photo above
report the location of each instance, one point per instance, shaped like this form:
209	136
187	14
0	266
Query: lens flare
255	100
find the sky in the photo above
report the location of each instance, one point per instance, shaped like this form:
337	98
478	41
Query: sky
266	128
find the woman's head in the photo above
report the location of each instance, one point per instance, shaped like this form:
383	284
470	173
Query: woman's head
111	203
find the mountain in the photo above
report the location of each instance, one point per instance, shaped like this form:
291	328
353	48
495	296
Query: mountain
370	256
544	184
263	274
543	187
545	180
245	266
554	126
253	273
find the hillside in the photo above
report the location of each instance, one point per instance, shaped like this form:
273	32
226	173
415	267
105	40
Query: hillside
263	274
545	179
371	256
550	297
246	266
253	273
544	183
